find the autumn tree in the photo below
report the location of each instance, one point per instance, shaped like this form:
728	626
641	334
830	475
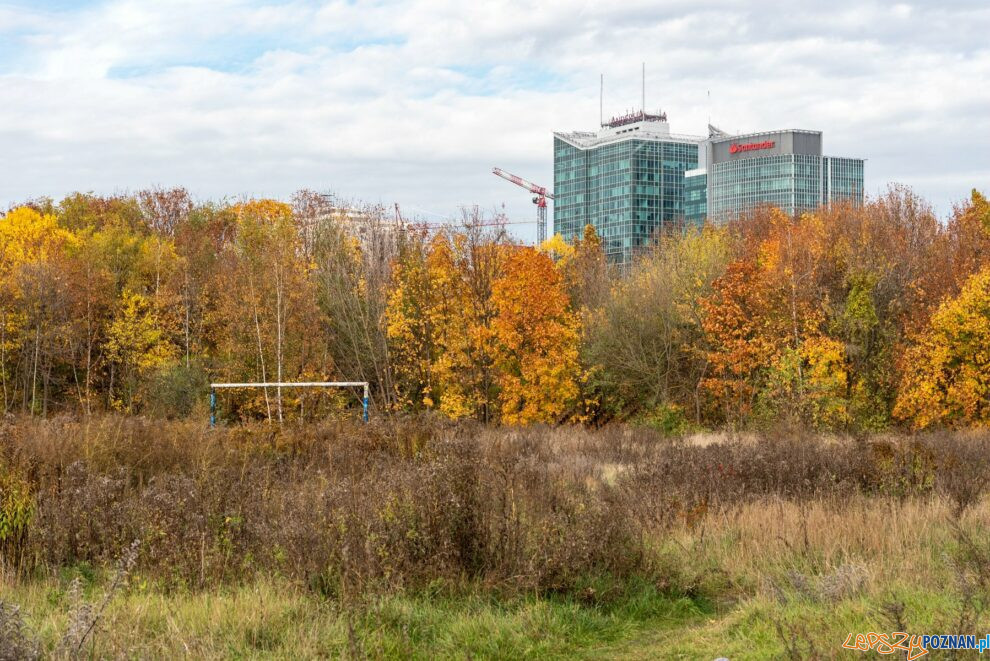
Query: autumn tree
353	259
411	314
33	305
744	337
93	299
585	271
441	317
118	257
947	373
270	329
480	255
643	341
203	240
440	324
136	346
808	381
537	340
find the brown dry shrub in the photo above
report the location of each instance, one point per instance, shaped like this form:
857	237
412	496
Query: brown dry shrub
338	505
404	502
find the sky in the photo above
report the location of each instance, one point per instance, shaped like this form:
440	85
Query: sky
414	102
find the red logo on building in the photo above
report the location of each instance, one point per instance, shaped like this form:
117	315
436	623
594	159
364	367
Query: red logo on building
735	148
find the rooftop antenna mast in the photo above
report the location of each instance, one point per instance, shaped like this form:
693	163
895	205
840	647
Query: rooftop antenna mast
601	100
642	107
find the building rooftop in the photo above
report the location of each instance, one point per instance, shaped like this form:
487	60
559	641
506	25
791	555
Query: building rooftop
722	136
635	126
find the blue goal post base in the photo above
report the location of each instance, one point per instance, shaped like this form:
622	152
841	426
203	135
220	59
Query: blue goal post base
296	384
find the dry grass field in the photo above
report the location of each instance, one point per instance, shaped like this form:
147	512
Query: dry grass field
418	538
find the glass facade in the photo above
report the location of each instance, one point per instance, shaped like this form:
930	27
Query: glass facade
570	177
629	190
696	197
842	179
631	185
792	182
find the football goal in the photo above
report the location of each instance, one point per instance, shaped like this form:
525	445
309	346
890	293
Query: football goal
304	384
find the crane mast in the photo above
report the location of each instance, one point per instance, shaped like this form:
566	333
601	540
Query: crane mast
540	200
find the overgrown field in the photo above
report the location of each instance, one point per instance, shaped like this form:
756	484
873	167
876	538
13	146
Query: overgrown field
423	538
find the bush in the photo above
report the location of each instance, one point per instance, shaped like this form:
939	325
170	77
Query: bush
403	503
176	390
16	512
339	506
16	642
668	420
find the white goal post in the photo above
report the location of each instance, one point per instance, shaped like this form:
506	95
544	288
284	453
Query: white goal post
298	384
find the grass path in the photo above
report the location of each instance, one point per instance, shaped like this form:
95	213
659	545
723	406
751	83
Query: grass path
280	620
273	619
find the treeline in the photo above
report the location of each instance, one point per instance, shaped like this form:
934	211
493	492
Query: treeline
850	318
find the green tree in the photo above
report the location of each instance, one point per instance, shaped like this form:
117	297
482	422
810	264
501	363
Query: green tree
644	342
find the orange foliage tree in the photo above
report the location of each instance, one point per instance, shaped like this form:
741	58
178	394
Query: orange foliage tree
439	320
745	337
769	351
537	339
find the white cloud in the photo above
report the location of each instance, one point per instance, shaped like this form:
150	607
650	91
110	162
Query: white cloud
415	101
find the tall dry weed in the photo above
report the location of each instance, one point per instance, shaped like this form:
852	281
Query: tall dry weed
348	508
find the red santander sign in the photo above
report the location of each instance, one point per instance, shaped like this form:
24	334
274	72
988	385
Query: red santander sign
736	148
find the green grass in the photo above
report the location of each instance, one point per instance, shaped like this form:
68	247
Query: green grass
749	630
282	620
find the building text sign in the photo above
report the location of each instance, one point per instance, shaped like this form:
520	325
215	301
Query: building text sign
736	148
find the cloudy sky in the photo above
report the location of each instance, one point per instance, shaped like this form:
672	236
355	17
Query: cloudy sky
414	102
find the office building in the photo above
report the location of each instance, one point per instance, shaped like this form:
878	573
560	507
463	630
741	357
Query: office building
626	179
785	169
634	179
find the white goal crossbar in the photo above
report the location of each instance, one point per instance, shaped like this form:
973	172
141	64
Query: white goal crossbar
297	384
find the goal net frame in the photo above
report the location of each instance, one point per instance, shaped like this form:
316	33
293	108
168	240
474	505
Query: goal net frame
291	384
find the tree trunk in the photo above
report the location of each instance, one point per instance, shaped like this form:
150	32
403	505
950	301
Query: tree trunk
261	353
3	357
278	336
89	349
34	371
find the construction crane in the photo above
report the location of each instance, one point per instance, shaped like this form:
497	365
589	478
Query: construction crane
542	195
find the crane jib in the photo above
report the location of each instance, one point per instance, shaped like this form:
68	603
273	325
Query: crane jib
540	201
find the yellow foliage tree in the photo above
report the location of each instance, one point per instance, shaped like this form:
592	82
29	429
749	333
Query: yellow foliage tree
809	383
557	248
825	381
477	329
268	317
946	374
135	346
409	320
33	303
437	329
537	340
458	331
